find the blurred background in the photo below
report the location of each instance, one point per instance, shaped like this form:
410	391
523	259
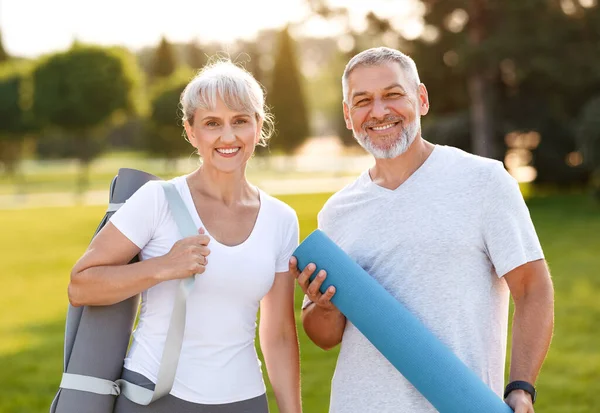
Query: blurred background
89	87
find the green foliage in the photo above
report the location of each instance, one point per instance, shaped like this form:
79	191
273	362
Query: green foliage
165	61
82	91
195	56
84	87
287	98
453	129
16	90
164	134
16	117
252	64
588	133
542	66
325	98
588	139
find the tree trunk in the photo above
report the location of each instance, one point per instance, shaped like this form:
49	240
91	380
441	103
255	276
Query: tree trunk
480	86
11	152
83	179
482	117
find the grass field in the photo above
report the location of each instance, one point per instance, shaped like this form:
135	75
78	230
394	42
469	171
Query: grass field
52	176
39	246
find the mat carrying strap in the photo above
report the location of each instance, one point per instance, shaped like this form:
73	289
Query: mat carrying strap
172	349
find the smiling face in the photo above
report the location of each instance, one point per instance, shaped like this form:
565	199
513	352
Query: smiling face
225	138
384	109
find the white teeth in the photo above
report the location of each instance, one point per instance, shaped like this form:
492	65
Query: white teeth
384	127
228	150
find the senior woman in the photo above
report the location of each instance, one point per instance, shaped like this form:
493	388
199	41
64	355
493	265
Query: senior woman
245	239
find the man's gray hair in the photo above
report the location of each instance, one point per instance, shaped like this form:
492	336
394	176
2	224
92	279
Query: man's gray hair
235	86
378	56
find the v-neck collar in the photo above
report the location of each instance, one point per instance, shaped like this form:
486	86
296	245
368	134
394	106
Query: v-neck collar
410	181
198	220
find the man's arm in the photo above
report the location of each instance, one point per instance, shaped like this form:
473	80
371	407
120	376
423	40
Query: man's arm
533	321
324	327
322	321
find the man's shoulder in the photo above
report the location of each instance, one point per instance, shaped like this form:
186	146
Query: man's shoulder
340	200
348	191
464	170
468	162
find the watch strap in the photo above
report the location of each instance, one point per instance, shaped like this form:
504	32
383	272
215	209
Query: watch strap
521	385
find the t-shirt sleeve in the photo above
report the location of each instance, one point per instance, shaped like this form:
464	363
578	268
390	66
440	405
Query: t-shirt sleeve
290	243
509	235
138	218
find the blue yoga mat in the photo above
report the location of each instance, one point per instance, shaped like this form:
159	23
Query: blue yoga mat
434	370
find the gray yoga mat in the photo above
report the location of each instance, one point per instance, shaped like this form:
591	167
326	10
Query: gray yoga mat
96	338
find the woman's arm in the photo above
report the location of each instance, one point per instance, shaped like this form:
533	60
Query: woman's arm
103	277
279	343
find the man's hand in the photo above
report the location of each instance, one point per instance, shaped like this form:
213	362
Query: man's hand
312	289
520	401
323	322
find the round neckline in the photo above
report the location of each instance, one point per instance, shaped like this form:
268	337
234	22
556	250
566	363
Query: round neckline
425	166
198	220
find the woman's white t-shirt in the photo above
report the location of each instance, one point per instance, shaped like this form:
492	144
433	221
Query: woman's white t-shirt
218	362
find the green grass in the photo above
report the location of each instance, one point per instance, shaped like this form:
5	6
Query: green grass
41	177
39	247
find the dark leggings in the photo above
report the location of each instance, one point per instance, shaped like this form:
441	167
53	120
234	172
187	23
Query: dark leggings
171	404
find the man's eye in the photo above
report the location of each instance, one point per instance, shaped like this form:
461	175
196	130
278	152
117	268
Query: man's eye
394	95
361	102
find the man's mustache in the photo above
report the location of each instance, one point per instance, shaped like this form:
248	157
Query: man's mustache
374	123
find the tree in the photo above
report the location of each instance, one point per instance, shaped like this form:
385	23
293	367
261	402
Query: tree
325	100
287	98
588	139
253	63
512	65
15	112
164	133
195	56
82	91
3	54
164	62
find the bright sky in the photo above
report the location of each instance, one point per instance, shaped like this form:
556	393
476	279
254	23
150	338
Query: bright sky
34	27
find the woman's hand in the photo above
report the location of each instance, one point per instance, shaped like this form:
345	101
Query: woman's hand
187	257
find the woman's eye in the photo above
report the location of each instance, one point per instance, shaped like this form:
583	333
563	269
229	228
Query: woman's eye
212	123
240	121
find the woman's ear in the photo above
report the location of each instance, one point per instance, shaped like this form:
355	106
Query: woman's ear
259	126
190	134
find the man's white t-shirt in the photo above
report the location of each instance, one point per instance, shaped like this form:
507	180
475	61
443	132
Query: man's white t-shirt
440	243
218	362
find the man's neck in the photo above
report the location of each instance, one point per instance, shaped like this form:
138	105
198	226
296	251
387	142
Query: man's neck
391	173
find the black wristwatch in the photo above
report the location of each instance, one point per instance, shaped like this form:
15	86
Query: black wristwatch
521	385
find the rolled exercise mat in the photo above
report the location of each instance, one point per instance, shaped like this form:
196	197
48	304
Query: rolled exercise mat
97	337
435	371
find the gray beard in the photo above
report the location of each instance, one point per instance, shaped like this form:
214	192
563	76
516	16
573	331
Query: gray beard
402	143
